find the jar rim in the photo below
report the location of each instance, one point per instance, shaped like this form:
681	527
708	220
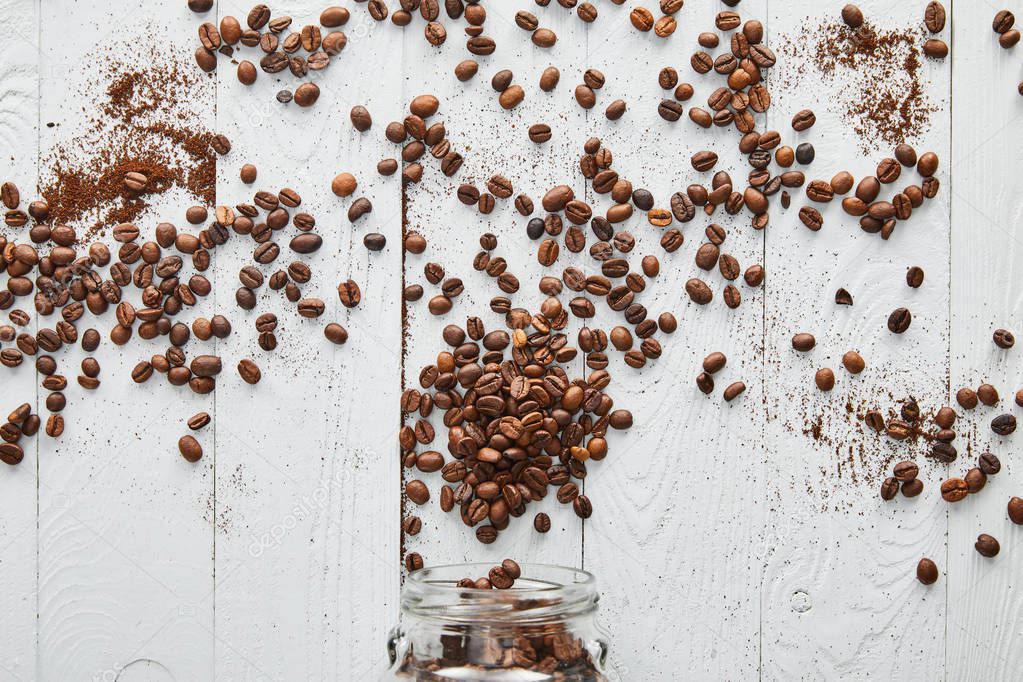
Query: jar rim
543	592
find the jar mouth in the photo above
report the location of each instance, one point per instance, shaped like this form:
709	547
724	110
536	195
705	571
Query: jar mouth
543	593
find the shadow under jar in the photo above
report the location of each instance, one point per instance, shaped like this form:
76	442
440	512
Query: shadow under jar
541	629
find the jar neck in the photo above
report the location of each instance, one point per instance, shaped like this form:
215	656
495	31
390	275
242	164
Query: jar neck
545	597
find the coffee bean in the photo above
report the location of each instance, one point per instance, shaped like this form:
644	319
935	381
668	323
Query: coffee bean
987	394
349	293
1015	510
967	398
198	421
853	362
306	94
698	291
1003	338
1004	424
987	546
926	572
912	488
249	371
803	342
989	464
954	490
935	48
542	523
852	16
734	390
11	453
889	489
803	120
825	379
943	452
190	449
805	154
899	321
811	217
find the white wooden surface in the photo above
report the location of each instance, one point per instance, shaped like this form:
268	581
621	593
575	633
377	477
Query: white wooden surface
729	544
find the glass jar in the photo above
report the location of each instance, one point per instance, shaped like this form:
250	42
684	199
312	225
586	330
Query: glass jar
541	629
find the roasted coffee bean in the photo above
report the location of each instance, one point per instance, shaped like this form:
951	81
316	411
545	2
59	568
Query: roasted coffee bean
542	522
889	488
803	342
926	570
987	395
1003	338
1015	510
989	464
825	379
349	293
987	546
249	371
803	120
190	449
1004	424
954	490
734	390
899	321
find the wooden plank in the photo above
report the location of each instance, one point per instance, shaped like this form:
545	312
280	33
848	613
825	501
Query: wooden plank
125	536
19	74
839	586
493	141
307	483
675	538
984	594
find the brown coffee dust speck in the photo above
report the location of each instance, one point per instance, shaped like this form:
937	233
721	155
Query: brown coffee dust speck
883	96
136	125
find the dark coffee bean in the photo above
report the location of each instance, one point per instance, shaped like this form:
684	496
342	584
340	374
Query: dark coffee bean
906	470
989	464
943	452
889	488
542	523
899	321
912	488
927	572
805	154
1004	424
1003	338
987	546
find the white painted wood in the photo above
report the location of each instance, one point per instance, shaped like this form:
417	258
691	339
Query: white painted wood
125	524
676	533
730	542
839	595
19	108
307	479
984	594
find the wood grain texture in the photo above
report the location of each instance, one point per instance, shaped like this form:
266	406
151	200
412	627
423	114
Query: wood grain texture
984	594
678	520
19	110
307	485
838	586
731	541
125	535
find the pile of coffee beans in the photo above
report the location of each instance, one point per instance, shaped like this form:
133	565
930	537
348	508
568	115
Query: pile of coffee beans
517	424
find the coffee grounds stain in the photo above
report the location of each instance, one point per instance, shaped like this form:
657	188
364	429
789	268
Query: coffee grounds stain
882	98
135	125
